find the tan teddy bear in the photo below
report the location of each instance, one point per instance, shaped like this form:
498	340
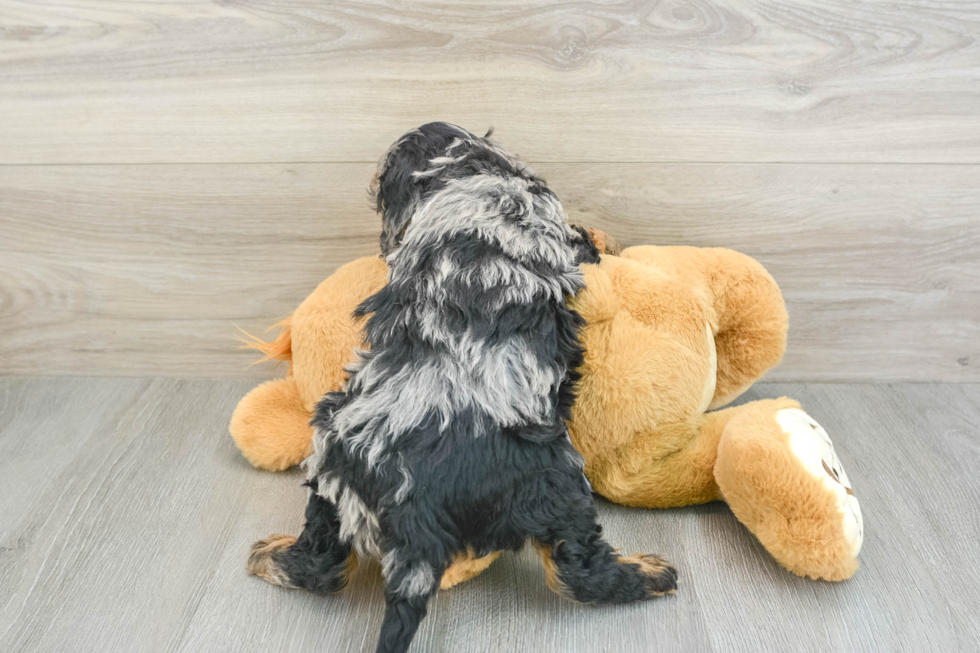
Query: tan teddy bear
673	334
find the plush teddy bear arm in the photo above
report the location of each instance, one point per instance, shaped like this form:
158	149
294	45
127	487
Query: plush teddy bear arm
750	333
271	427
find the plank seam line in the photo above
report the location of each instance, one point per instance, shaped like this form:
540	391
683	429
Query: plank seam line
532	161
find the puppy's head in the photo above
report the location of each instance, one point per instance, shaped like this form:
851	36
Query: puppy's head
421	162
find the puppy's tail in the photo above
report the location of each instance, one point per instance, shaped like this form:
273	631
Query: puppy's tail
408	589
281	348
402	619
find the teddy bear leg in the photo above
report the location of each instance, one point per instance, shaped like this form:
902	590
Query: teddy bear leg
464	567
778	471
271	427
670	467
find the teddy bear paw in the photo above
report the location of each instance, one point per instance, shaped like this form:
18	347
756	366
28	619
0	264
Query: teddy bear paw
811	445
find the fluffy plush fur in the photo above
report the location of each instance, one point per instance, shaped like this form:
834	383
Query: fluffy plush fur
450	438
639	420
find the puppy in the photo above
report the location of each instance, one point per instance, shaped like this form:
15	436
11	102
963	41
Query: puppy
450	436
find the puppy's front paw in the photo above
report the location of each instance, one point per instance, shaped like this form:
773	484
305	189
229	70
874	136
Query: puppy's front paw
262	560
661	577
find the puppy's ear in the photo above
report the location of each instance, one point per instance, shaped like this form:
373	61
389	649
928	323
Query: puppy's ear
400	185
585	247
396	192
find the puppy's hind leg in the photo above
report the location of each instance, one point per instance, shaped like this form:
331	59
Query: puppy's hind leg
316	561
582	566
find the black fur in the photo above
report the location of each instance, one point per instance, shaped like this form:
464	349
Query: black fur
397	191
585	249
476	483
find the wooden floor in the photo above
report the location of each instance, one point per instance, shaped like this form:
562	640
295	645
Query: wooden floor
126	514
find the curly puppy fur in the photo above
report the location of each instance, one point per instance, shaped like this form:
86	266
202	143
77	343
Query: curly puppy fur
450	436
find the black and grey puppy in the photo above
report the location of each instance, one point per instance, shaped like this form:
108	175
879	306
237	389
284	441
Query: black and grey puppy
450	436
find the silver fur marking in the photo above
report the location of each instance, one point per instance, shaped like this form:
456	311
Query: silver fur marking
419	579
358	525
407	482
471	374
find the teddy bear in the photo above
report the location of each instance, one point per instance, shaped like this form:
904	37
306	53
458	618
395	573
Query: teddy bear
672	336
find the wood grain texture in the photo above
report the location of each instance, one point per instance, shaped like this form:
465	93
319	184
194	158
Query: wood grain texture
126	514
631	80
131	270
143	270
878	264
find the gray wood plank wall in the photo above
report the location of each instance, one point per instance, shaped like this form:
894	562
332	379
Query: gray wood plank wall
170	171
